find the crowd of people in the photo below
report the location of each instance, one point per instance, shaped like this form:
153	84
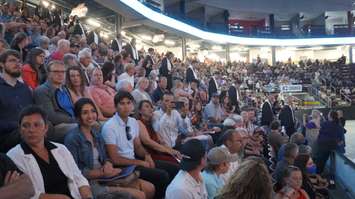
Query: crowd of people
88	118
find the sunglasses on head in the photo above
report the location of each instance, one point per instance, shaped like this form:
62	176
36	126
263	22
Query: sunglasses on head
128	133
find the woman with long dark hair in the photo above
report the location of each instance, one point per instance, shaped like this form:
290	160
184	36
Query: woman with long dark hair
19	42
87	146
312	183
109	74
33	72
75	82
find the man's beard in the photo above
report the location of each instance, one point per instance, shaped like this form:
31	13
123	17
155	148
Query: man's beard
13	74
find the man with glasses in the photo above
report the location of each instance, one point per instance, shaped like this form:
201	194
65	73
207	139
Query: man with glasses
55	100
121	135
14	95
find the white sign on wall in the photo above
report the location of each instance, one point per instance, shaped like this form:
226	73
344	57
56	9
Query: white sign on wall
291	88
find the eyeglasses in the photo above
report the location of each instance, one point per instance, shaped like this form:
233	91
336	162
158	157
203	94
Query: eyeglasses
57	71
128	133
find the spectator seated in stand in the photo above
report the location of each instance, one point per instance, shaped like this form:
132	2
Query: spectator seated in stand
13	183
87	146
55	99
124	146
14	96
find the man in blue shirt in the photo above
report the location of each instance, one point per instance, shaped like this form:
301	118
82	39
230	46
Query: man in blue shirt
14	96
54	98
218	162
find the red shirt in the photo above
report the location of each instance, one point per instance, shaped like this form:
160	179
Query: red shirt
30	76
56	55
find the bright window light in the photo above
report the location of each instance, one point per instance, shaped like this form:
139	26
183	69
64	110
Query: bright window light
217	47
146	37
93	22
169	42
221	38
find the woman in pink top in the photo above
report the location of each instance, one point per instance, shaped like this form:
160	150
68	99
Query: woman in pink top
102	94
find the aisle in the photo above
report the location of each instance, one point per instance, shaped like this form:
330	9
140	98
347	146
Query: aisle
350	139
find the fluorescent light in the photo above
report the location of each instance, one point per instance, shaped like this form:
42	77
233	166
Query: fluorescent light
221	38
169	42
45	4
93	22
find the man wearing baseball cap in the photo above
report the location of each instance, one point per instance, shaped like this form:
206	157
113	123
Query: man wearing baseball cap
188	183
218	162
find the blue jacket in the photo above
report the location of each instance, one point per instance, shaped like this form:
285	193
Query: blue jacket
81	149
330	134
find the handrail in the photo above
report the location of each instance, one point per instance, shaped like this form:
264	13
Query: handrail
347	98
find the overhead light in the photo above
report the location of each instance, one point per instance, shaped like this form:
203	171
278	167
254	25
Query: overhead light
158	38
123	33
146	37
169	42
53	7
138	41
222	38
45	4
93	22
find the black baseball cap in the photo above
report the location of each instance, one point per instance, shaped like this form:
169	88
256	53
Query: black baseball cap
192	152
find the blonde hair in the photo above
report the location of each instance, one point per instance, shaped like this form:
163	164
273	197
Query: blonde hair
315	114
251	181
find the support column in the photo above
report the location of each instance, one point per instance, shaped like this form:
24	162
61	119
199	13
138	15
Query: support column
350	22
162	6
183	48
272	23
350	54
118	23
228	57
248	56
273	55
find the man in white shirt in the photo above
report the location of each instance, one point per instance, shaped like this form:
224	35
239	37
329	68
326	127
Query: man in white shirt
127	75
233	141
213	110
121	136
167	121
188	183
